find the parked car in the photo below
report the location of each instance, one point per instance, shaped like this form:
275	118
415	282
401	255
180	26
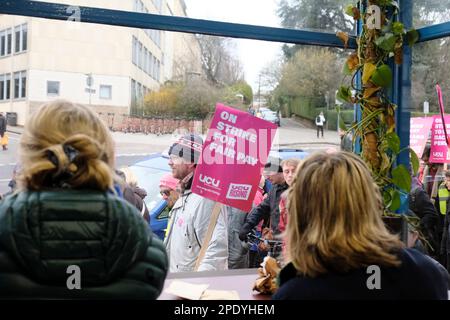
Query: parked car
150	171
283	154
271	117
287	153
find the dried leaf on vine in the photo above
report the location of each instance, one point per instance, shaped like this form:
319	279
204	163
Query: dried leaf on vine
353	61
398	56
344	37
390	122
371	149
374	102
385	163
368	70
356	13
368	92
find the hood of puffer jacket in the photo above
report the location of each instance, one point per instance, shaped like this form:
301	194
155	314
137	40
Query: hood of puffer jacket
140	192
46	232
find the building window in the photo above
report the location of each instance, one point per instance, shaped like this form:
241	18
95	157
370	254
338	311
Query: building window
150	65
139	91
20	84
2	43
105	92
154	67
53	88
8	41
5	87
21	35
134	51
140	54
145	68
158	68
133	91
5	42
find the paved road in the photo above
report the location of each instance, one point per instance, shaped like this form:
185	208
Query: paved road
6	170
131	148
295	135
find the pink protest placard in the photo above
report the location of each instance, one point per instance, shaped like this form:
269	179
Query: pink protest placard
235	150
439	149
419	132
441	109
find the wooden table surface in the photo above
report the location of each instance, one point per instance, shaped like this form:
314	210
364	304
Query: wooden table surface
240	280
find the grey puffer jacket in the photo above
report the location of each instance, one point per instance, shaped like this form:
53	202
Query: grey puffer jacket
190	218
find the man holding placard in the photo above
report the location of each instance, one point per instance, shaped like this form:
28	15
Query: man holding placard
190	216
235	151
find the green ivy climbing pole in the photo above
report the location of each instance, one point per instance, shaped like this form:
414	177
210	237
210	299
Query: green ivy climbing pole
380	144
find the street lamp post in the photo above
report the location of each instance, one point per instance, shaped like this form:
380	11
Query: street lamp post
259	91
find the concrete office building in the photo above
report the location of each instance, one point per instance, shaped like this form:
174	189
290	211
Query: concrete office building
109	68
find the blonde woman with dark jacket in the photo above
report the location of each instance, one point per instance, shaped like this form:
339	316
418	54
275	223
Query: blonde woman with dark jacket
338	245
65	234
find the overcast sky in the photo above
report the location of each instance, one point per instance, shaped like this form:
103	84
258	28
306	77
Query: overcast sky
254	55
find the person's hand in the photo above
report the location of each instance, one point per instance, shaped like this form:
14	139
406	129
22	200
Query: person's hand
243	235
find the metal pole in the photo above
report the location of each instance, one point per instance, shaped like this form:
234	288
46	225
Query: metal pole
358	112
402	87
326	97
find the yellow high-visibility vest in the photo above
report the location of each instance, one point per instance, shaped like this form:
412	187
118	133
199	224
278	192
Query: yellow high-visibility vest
443	194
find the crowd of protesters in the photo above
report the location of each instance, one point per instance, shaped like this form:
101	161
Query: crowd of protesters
320	219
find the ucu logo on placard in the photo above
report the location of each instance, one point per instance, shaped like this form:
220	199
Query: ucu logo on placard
210	181
239	191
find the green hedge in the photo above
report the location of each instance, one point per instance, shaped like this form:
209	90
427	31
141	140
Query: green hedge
309	108
347	116
306	107
421	114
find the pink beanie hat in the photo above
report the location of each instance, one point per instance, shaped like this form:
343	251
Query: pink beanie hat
168	181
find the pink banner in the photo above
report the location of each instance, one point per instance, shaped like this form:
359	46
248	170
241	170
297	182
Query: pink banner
234	153
419	133
439	150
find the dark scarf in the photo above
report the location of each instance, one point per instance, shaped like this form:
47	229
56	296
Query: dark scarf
185	183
